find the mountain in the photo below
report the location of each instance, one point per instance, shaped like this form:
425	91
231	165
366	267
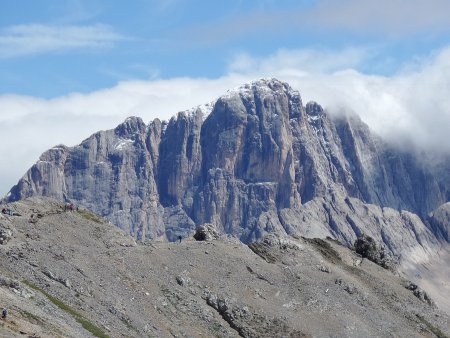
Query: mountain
254	162
72	274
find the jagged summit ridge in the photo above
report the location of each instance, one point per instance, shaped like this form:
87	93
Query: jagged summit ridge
258	162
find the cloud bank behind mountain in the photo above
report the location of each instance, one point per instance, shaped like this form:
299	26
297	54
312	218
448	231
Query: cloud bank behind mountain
410	107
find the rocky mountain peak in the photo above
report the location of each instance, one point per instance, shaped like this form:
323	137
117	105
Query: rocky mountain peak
131	126
262	88
256	161
314	109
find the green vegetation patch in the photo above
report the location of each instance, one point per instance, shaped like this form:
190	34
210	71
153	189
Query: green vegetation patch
31	317
90	216
87	325
432	328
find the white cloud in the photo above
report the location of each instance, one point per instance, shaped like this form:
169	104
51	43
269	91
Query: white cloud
392	17
383	18
301	61
412	105
37	38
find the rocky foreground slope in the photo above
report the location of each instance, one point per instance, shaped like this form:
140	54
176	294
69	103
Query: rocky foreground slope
254	162
72	274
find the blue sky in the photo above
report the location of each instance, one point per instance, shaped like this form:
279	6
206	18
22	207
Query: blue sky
71	67
50	48
127	40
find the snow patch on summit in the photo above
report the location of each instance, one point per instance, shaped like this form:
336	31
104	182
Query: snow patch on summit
205	109
267	86
121	143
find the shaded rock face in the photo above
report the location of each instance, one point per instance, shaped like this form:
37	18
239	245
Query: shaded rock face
419	293
257	161
368	248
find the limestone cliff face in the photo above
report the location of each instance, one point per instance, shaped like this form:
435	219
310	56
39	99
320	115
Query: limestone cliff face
440	221
256	161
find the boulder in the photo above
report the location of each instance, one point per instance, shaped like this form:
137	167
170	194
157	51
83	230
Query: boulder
206	232
368	248
5	235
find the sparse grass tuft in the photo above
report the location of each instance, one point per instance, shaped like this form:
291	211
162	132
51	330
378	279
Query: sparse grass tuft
87	325
432	328
216	329
90	216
